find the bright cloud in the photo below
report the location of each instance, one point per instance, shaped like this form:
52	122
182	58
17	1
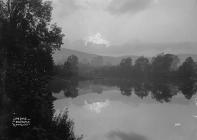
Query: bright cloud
98	40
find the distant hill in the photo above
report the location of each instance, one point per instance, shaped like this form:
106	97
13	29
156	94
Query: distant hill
133	48
61	56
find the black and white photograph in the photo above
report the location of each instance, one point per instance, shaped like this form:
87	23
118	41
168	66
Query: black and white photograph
98	69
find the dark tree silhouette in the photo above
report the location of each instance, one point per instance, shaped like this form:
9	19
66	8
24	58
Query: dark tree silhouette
188	70
125	68
141	89
27	42
71	90
163	66
187	74
71	66
125	87
141	68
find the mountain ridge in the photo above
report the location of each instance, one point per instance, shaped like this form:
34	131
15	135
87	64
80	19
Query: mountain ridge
61	55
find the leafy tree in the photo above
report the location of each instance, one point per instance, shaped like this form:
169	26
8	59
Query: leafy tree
141	67
126	62
71	66
163	65
25	27
188	70
125	67
63	127
27	40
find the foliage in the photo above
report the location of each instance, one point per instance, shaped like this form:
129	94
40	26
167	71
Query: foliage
188	70
71	66
27	40
63	127
163	65
141	68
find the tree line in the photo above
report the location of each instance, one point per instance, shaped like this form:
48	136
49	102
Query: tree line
161	67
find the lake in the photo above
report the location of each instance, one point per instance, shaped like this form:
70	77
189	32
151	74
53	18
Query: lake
103	111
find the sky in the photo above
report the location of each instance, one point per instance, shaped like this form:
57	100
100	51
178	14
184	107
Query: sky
117	22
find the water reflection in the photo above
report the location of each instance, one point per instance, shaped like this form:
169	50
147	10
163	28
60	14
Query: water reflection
124	136
69	87
96	106
130	110
161	91
188	88
113	116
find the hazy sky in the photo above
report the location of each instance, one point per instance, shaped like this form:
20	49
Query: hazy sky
113	22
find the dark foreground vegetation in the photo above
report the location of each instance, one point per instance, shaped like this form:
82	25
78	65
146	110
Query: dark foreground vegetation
27	41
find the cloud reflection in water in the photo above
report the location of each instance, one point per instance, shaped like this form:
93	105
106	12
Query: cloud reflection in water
113	135
97	106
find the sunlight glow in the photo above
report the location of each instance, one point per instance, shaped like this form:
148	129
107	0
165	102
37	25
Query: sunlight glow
97	106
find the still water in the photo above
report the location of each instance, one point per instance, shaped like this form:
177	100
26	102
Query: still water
104	112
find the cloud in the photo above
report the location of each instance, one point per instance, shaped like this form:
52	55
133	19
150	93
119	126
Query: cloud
125	136
97	39
125	6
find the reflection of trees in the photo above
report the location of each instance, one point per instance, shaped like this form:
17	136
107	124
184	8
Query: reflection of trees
97	88
188	78
71	90
163	92
141	90
69	86
188	88
57	84
160	90
125	87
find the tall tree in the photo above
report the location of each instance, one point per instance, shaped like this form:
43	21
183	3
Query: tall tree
71	66
141	67
27	40
125	67
25	26
188	70
163	65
